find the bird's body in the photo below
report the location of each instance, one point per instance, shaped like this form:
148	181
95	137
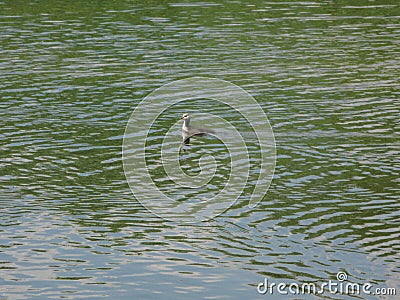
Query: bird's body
188	131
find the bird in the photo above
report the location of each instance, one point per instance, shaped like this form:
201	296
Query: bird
188	131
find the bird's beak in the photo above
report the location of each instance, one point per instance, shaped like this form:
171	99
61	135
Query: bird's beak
181	118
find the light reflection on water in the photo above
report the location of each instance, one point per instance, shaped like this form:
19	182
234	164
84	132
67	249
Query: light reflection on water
326	74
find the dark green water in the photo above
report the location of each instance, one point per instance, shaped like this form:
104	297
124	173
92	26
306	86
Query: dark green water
327	75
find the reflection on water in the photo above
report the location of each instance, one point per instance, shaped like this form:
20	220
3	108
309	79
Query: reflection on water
327	75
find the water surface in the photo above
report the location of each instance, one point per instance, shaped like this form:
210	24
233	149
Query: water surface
326	73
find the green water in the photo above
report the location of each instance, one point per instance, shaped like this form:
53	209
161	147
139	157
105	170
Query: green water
325	73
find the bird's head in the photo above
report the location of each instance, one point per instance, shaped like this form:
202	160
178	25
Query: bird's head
185	117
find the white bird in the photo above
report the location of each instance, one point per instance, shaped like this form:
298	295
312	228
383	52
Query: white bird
188	131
